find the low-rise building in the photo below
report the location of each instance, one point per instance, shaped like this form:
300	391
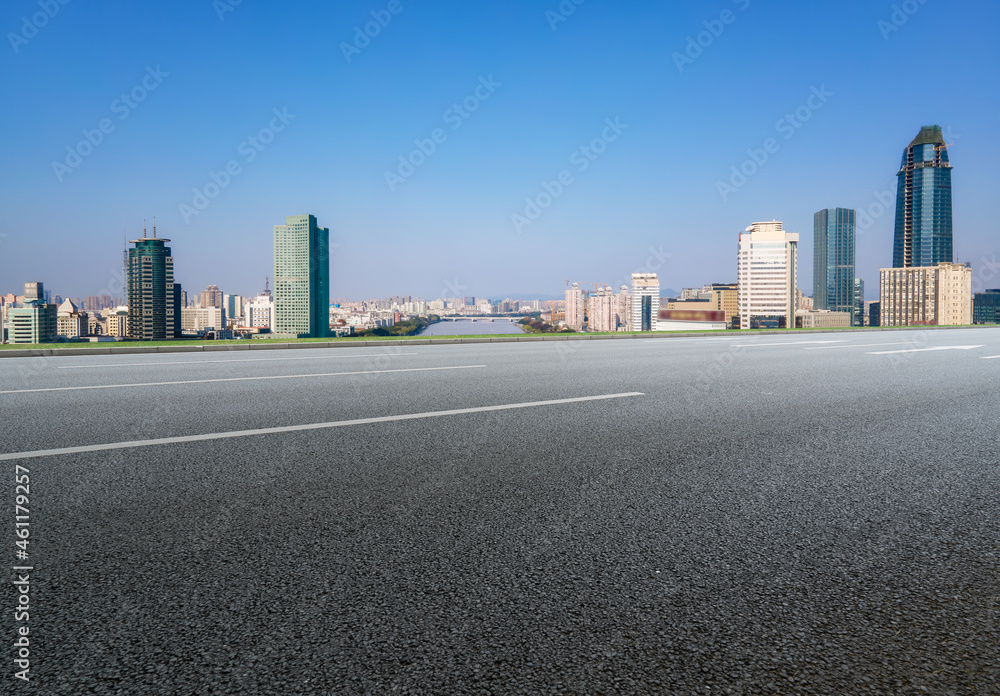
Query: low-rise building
35	321
71	322
196	320
986	307
822	319
926	295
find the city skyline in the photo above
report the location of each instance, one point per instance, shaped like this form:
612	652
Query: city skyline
454	211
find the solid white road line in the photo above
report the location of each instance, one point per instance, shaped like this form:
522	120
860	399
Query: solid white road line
240	379
241	360
787	343
303	428
863	345
991	357
924	350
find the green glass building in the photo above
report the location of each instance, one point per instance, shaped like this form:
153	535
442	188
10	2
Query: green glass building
301	278
153	304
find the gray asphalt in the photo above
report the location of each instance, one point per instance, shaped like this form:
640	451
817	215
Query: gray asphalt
802	518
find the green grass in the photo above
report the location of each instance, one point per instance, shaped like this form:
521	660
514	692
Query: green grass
150	344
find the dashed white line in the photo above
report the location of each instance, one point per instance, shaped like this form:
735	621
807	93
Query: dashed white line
924	350
240	379
991	357
239	360
302	428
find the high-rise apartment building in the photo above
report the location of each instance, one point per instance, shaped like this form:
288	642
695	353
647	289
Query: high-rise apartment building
605	310
301	278
153	311
926	296
923	235
768	276
645	296
576	307
212	297
833	260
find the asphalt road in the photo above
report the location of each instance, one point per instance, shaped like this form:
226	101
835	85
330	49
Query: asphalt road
742	515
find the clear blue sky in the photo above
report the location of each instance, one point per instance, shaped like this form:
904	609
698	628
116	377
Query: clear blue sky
449	226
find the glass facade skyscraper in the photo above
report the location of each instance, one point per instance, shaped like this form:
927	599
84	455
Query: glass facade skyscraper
301	278
923	234
833	260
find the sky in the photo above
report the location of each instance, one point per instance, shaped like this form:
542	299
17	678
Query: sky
485	149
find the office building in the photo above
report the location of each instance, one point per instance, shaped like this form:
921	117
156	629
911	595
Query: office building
858	315
725	298
833	260
875	313
768	276
623	307
645	295
923	234
926	296
233	304
576	307
152	303
986	307
35	321
301	278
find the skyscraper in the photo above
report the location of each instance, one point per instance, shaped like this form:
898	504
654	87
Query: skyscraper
152	303
923	234
768	276
833	260
858	316
301	278
645	297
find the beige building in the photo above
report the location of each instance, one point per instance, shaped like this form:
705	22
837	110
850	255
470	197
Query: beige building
117	321
726	298
926	295
197	319
822	319
603	310
575	307
71	322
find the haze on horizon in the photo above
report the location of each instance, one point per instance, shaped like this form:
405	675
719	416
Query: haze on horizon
673	118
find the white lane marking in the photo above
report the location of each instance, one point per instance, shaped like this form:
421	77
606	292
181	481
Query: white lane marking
302	428
862	345
991	357
924	350
787	343
241	360
240	379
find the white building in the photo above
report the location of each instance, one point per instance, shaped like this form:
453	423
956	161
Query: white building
926	295
645	300
768	276
259	312
822	319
